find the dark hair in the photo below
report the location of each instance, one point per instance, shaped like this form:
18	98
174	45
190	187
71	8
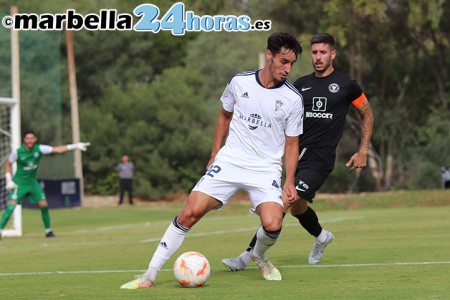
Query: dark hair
279	40
325	38
29	132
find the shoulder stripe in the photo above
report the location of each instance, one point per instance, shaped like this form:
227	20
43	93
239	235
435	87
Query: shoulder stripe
246	73
293	88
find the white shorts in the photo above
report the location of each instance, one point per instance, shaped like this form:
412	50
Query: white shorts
223	180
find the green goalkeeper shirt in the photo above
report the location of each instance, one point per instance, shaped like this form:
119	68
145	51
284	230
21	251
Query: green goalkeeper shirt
28	162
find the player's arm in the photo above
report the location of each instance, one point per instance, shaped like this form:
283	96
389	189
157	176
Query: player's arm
220	133
10	184
359	159
69	147
290	161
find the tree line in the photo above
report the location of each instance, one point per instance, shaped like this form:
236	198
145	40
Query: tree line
156	96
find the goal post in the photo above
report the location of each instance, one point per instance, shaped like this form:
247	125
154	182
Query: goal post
9	141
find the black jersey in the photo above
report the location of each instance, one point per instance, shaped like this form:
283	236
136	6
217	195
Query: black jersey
326	103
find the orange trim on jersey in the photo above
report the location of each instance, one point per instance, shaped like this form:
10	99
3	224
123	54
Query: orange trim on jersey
358	101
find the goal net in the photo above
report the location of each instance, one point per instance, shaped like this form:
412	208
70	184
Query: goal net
9	140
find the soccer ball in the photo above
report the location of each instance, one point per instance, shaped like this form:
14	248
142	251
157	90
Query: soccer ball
191	269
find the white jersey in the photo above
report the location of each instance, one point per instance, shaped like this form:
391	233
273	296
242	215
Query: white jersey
262	118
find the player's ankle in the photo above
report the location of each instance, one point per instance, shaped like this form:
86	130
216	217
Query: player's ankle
322	236
151	274
246	258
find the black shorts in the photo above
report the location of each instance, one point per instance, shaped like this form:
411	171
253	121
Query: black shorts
313	169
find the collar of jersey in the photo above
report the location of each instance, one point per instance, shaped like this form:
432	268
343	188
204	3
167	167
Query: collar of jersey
273	87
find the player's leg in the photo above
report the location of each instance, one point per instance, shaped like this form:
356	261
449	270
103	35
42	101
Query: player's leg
130	191
43	206
9	209
308	181
122	191
309	178
267	198
310	222
208	194
37	196
15	197
271	215
240	263
197	206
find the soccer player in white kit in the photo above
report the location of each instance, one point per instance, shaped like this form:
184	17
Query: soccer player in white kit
262	113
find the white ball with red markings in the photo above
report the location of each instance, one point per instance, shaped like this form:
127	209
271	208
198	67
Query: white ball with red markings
191	269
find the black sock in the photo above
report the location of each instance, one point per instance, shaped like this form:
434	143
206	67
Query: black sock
310	222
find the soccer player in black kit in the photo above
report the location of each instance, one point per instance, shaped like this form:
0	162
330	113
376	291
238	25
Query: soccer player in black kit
327	96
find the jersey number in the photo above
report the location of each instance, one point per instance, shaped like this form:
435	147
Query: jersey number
214	169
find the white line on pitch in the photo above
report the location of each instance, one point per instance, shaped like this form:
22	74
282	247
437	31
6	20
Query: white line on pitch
281	267
219	232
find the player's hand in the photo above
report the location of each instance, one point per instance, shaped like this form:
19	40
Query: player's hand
358	160
290	192
82	146
10	184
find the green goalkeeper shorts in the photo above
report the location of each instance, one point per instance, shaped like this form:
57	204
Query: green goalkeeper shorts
32	191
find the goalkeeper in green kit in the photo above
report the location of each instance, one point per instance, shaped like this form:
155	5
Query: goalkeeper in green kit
24	183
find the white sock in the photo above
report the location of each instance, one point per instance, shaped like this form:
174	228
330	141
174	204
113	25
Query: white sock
170	243
322	236
264	241
48	230
245	256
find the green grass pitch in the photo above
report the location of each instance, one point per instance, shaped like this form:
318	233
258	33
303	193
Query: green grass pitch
378	253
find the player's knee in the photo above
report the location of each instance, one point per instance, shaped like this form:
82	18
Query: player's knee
42	203
188	217
299	207
272	225
274	234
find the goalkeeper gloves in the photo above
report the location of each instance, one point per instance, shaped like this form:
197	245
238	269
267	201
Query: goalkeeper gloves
10	184
80	146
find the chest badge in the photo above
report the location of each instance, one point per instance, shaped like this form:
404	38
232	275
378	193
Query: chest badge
334	88
278	105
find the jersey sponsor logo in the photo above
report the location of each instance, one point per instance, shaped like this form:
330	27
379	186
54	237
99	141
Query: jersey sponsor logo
254	121
319	108
319	104
306	88
334	88
30	166
278	105
245	95
319	115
